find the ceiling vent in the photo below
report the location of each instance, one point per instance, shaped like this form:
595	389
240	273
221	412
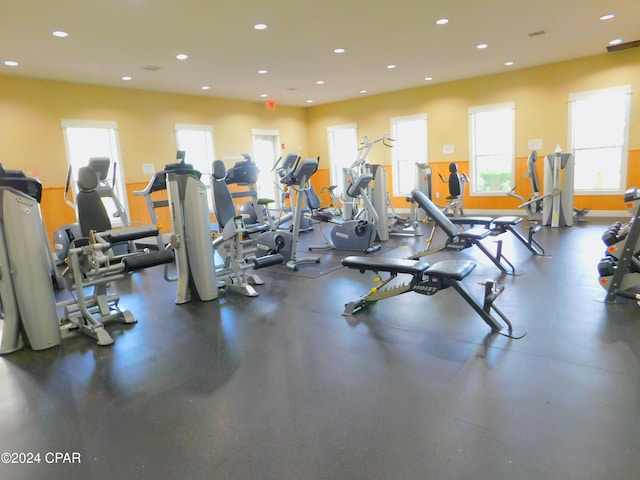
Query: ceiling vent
537	33
623	46
152	68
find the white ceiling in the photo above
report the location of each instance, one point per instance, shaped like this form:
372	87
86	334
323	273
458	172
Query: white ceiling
112	38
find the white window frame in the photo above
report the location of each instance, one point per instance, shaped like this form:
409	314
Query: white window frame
473	156
267	175
204	166
337	164
115	156
624	147
396	151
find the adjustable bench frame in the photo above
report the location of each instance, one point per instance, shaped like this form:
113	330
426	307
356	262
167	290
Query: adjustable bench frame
498	226
429	280
458	239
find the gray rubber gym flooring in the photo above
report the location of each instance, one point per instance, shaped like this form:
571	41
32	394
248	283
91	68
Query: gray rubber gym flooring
282	387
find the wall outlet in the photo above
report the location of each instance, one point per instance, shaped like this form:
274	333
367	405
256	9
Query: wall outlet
148	168
447	149
437	194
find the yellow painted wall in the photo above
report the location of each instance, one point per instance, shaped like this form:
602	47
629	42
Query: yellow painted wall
31	137
31	111
541	99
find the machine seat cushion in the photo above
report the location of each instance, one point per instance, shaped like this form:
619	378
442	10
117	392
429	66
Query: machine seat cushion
391	265
325	216
360	183
453	269
129	233
508	220
485	221
146	260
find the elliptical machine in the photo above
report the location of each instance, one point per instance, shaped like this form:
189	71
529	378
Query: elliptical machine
298	179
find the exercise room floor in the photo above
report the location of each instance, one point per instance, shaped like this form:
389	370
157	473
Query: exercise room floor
281	386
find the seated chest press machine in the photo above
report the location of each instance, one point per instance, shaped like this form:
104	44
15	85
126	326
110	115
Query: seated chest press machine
234	242
26	293
91	263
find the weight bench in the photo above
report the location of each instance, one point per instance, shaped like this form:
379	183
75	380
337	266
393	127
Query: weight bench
498	226
428	280
458	239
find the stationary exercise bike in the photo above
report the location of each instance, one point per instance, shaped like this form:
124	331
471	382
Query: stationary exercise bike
356	234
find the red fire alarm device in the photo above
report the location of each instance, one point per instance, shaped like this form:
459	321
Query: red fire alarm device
271	105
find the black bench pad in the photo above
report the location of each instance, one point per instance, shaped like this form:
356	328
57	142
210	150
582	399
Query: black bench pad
508	220
129	233
486	221
145	260
475	233
454	269
391	265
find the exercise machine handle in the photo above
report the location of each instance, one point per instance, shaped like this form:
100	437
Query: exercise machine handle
267	261
67	185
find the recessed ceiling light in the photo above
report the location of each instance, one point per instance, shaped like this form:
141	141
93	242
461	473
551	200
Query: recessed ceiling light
508	64
182	56
11	63
60	34
608	16
262	72
205	87
363	91
428	79
264	95
309	101
260	26
482	46
442	21
391	66
339	50
126	78
616	41
320	82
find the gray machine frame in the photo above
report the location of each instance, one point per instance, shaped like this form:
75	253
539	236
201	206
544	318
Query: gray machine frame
26	292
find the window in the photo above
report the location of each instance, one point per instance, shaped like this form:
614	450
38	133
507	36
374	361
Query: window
197	142
266	149
598	131
343	151
492	129
85	139
409	148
